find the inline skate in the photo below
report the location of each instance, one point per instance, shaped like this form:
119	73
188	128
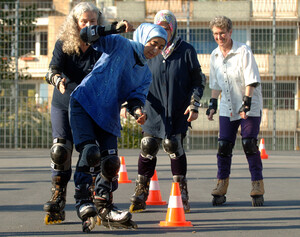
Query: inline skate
219	192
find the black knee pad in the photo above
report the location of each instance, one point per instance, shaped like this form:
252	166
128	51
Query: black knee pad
89	158
173	146
250	146
110	167
61	153
225	148
149	147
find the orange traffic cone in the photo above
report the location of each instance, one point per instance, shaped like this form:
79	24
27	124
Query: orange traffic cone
262	149
175	215
123	177
154	197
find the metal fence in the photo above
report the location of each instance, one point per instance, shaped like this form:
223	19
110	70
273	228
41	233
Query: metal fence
25	99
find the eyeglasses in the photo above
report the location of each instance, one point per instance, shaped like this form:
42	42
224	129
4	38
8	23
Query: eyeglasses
222	34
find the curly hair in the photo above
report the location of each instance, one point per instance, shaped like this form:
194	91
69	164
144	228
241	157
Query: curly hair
69	33
222	22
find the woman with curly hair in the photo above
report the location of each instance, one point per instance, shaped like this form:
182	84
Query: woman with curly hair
72	60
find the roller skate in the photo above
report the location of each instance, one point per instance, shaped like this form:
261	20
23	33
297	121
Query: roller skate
85	207
55	206
111	216
219	192
139	198
257	193
92	191
184	192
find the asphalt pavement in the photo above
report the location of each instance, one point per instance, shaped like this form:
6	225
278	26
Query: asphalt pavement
25	187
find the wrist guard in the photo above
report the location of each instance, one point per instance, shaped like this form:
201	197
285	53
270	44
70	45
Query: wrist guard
90	34
246	106
52	78
195	103
134	113
213	104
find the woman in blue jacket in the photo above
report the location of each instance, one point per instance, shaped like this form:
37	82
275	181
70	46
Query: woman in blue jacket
171	105
121	74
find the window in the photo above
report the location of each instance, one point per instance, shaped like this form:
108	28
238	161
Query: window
201	39
285	95
239	35
44	43
27	45
262	41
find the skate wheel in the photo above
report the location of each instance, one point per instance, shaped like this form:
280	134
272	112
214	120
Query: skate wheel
98	222
186	207
132	210
54	218
88	224
133	224
46	220
218	200
257	201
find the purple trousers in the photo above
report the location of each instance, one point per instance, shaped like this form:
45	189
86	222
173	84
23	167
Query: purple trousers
228	131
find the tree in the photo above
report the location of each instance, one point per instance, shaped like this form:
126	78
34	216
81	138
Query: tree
8	23
17	24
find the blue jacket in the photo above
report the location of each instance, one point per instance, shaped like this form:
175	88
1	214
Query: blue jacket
175	79
113	81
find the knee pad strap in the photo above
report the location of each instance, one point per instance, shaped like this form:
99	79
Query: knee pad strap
173	146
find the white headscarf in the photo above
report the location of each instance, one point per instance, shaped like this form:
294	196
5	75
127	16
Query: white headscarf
169	17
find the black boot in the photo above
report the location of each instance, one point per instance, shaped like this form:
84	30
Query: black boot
140	195
85	207
184	192
55	206
110	215
108	211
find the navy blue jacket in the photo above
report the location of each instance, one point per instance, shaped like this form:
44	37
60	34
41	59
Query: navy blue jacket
74	68
174	80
